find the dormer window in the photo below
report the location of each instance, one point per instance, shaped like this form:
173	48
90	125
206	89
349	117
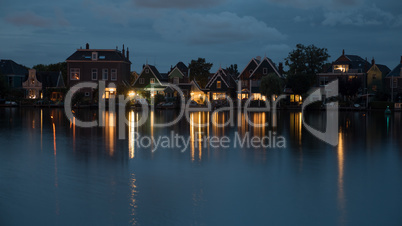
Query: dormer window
218	84
341	68
94	56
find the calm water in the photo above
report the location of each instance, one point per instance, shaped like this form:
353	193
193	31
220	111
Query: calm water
55	173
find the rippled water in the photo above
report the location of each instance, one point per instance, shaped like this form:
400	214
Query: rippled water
55	173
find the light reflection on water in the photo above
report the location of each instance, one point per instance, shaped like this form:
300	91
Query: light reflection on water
92	173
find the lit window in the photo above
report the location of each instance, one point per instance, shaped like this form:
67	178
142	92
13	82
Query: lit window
113	74
152	80
341	68
218	84
292	98
94	72
75	74
104	74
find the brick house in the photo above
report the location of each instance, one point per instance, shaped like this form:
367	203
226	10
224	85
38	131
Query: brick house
93	65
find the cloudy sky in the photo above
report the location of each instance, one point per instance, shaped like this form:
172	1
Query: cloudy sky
224	32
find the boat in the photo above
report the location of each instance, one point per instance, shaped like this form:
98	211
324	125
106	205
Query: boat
387	111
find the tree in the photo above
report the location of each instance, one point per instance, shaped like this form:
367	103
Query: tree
304	63
61	66
271	85
199	70
306	60
232	69
300	83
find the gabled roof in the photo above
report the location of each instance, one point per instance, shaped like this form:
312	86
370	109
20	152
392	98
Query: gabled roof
383	68
9	67
182	67
153	71
396	72
272	65
252	61
50	79
103	55
354	62
221	73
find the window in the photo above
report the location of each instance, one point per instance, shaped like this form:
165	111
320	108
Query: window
218	84
101	57
104	74
94	73
176	80
94	56
141	80
87	94
265	70
374	76
374	88
74	74
113	74
147	70
251	71
292	98
152	80
395	83
341	68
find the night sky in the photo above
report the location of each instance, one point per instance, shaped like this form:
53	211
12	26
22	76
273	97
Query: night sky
222	31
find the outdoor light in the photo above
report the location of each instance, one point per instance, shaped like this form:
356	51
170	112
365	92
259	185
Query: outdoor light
131	94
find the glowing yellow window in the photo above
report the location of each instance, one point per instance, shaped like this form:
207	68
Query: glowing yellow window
218	84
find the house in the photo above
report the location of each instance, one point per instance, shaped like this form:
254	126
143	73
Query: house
346	67
393	81
221	85
244	76
250	77
37	83
376	77
150	80
178	74
14	74
93	65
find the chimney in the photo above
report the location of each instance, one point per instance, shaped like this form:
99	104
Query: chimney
343	52
280	68
372	61
128	54
87	46
258	58
124	52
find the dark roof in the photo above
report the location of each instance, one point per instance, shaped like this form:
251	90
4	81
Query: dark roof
182	67
164	77
383	68
156	73
396	72
50	79
354	62
226	77
9	67
103	55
